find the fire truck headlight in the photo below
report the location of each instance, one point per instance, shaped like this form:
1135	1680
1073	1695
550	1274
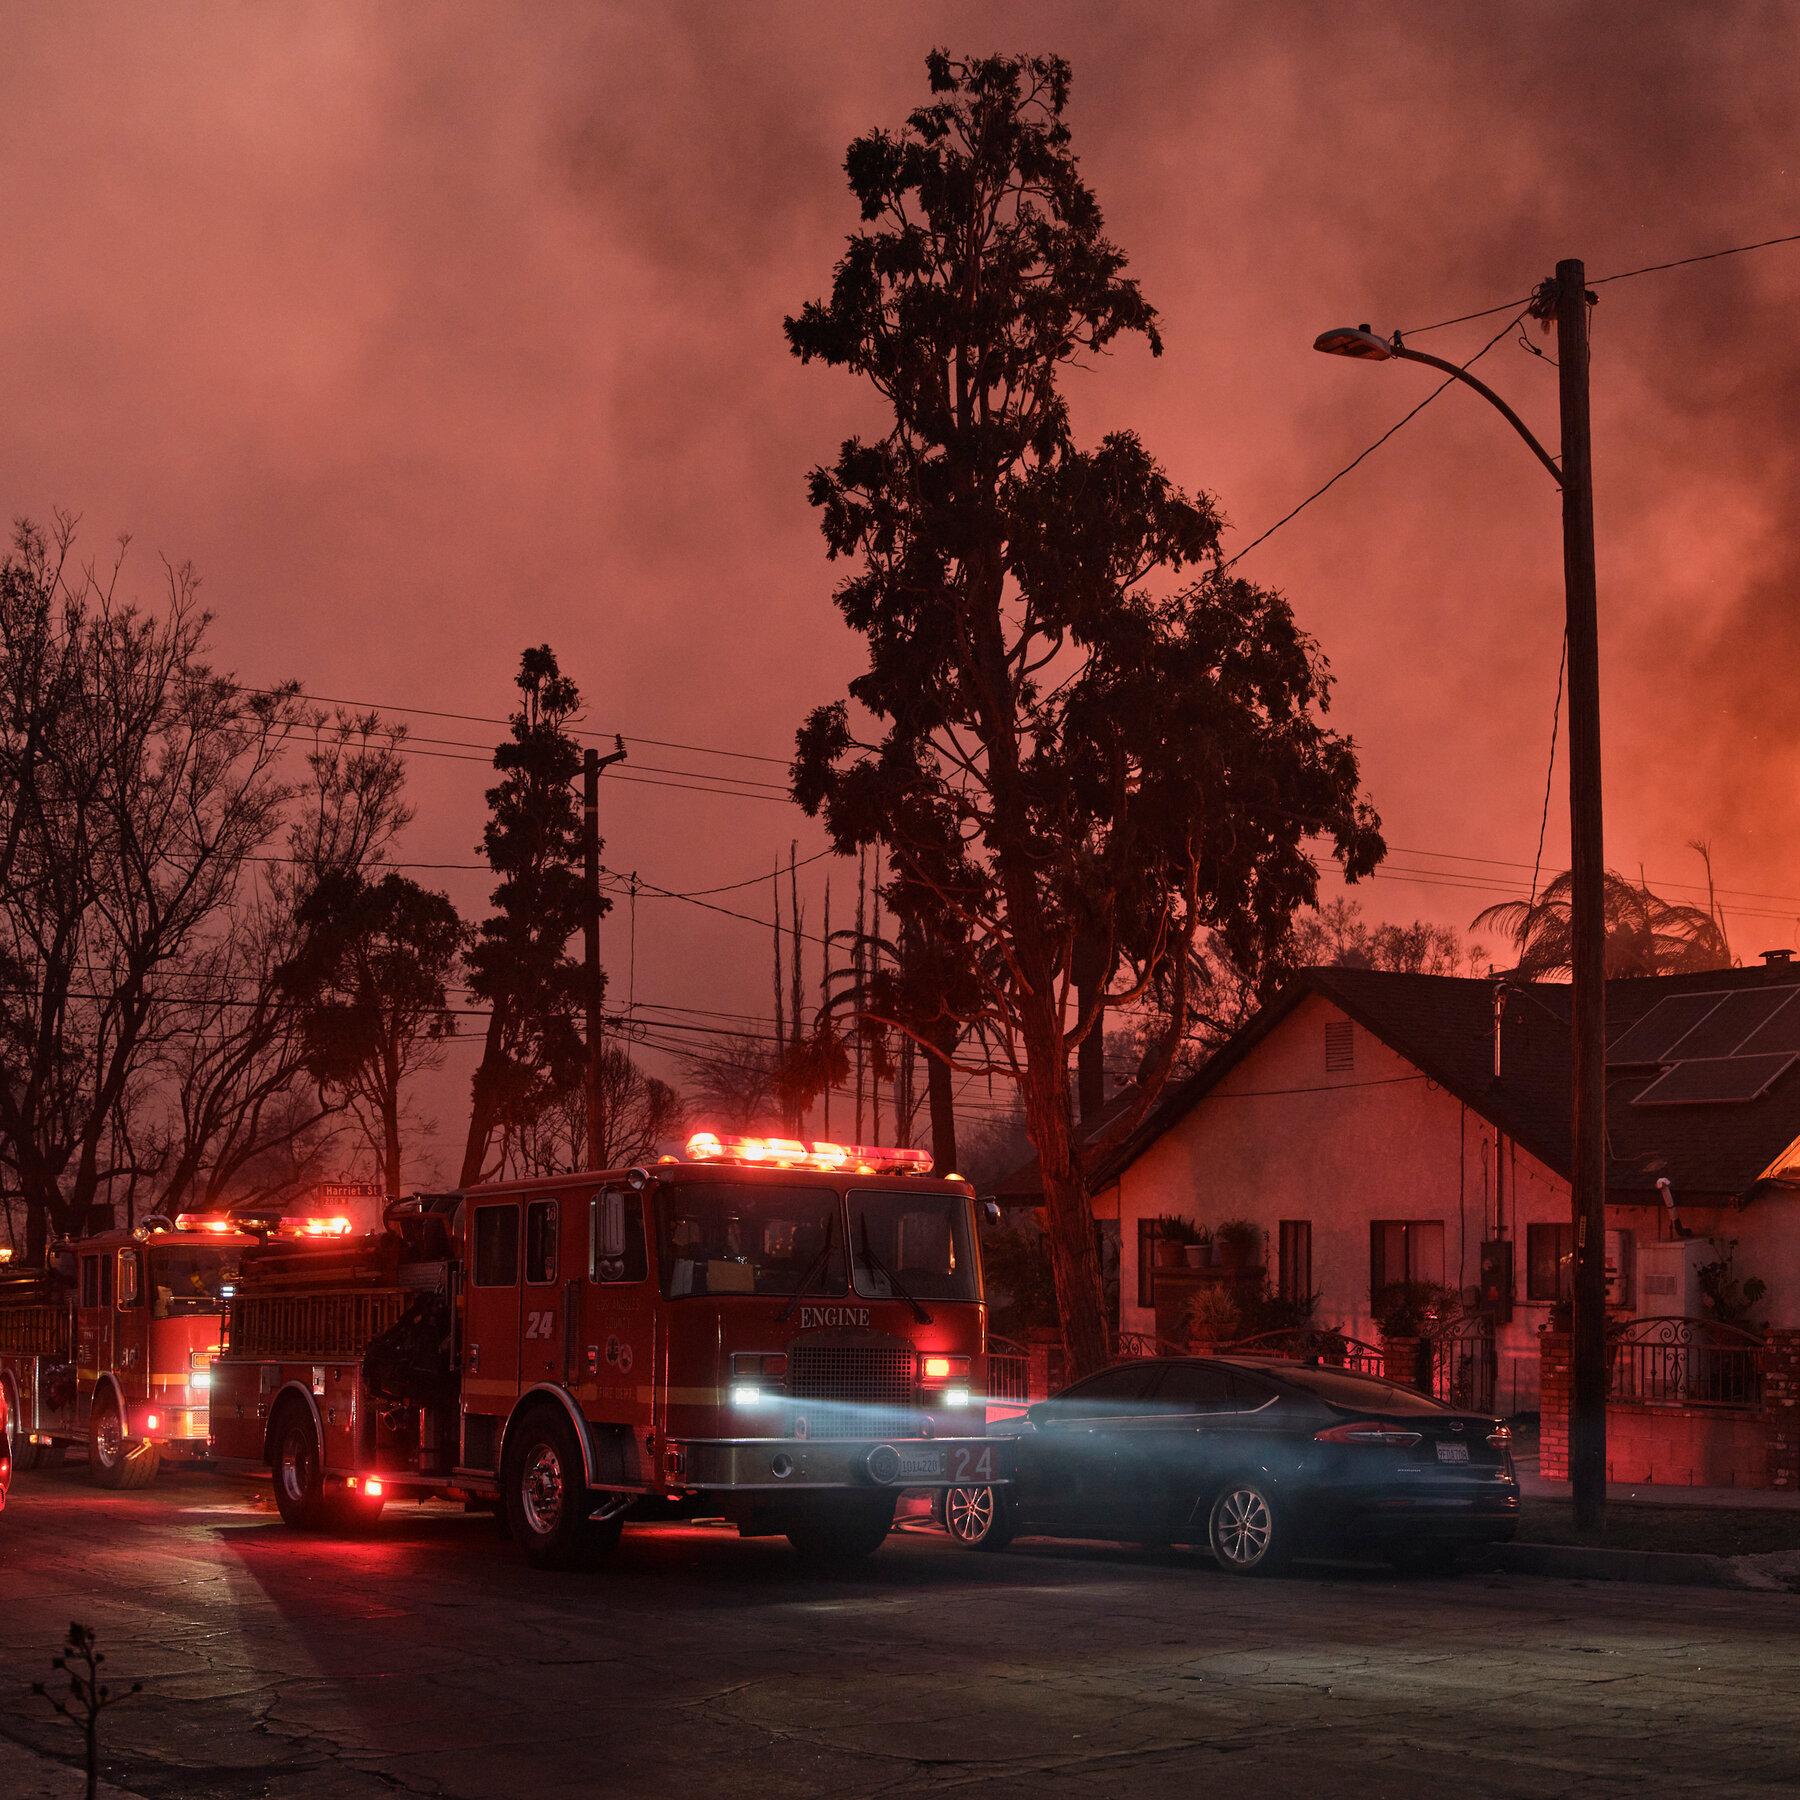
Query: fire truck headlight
956	1396
200	1380
746	1394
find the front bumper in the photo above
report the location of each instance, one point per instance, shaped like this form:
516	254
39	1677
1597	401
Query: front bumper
777	1464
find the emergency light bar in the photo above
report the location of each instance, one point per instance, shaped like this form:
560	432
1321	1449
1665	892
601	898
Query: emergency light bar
316	1228
792	1153
204	1222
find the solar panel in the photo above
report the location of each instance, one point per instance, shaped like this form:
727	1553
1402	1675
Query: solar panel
1723	1030
1650	1039
1714	1080
1780	1032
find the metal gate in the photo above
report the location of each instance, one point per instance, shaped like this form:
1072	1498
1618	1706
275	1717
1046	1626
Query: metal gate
1464	1362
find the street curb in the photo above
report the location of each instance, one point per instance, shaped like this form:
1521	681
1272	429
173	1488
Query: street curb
1667	1568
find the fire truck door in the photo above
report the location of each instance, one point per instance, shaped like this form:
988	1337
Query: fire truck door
491	1341
542	1323
619	1351
94	1320
132	1327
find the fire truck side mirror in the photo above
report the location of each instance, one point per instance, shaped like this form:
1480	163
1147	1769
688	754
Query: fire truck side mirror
612	1226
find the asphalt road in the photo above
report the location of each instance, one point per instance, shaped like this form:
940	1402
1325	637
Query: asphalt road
429	1659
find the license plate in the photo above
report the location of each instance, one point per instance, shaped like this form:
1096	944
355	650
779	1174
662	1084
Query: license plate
921	1465
1453	1452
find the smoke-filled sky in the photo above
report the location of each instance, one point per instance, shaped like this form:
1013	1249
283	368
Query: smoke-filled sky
431	332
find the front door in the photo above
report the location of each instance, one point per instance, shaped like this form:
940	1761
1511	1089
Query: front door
1066	1462
492	1341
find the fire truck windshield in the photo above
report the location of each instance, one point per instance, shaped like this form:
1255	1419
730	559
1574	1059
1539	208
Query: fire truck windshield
187	1279
912	1246
727	1237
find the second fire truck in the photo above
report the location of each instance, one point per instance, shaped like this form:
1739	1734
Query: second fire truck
784	1334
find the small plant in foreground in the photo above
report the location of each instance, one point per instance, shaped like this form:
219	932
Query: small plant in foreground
87	1699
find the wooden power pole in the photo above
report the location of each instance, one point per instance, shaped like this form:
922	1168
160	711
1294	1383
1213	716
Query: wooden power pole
594	982
1587	865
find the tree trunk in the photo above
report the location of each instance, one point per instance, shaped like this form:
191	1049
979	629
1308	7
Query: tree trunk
1068	1217
943	1105
481	1101
1090	1057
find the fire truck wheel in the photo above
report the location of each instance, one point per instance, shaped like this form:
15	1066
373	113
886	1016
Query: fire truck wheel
978	1518
844	1529
113	1462
294	1469
546	1496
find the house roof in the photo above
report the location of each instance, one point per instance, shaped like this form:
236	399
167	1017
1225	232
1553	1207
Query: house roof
1444	1026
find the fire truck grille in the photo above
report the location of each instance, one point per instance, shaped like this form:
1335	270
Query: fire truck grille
828	1420
864	1376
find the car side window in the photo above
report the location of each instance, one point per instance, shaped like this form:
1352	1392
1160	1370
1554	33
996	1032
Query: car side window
1191	1388
496	1246
1112	1390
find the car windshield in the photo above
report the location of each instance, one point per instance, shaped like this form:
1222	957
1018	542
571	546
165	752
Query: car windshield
729	1237
188	1280
1361	1392
915	1245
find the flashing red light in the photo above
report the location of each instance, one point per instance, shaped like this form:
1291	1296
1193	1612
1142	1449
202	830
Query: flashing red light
792	1153
203	1222
372	1488
149	1421
946	1368
317	1228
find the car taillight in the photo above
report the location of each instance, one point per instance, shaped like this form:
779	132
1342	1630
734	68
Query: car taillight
1367	1433
1500	1438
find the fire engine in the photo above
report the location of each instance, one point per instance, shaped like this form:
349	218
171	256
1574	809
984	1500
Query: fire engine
782	1333
112	1345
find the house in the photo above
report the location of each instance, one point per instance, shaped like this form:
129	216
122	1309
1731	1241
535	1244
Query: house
1381	1127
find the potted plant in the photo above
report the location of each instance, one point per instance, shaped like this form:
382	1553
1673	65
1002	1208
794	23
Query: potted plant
1240	1244
1199	1251
1213	1317
1173	1235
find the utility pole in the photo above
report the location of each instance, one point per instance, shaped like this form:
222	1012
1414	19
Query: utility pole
1587	866
594	983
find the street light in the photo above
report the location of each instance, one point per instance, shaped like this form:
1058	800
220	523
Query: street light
1566	297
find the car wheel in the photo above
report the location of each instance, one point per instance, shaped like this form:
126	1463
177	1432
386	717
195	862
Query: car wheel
294	1468
1246	1530
113	1462
839	1531
547	1501
978	1518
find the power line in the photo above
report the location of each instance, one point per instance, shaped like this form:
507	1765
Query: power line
1345	470
1680	262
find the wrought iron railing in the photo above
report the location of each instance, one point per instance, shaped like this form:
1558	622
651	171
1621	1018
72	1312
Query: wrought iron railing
1464	1363
1684	1362
1312	1344
1135	1346
1009	1371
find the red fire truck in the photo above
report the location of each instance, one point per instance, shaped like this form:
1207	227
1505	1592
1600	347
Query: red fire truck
112	1344
781	1333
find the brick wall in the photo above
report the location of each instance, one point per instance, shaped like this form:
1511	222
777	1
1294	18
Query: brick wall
1682	1446
1553	1405
1781	1407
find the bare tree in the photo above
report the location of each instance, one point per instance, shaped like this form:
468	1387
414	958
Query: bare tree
142	782
637	1112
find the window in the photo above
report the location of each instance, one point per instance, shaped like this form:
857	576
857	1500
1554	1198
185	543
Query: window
1340	1047
96	1281
540	1241
1549	1262
729	1237
1294	1259
1196	1388
496	1246
1405	1250
1112	1389
633	1265
1146	1262
1358	1393
912	1244
129	1291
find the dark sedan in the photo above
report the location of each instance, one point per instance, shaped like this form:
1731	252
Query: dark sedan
1258	1460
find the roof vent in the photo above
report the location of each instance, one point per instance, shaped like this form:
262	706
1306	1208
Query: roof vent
1777	958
